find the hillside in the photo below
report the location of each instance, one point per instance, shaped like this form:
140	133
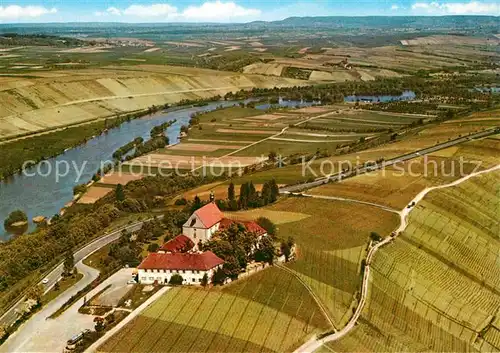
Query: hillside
440	278
46	101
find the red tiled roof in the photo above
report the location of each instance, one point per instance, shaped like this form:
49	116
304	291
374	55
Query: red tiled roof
181	261
251	226
180	243
209	214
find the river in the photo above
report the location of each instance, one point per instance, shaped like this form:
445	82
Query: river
37	191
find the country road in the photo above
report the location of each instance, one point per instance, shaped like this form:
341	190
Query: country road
11	315
29	333
313	344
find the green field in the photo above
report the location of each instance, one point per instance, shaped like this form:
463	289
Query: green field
331	237
441	279
270	312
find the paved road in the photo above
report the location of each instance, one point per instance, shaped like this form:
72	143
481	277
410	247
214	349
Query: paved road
34	335
362	170
11	315
313	344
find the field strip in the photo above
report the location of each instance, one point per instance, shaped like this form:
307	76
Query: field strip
306	141
273	136
326	135
313	294
407	115
313	344
385	208
372	122
130	317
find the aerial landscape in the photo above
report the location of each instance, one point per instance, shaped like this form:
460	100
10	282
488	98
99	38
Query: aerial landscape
241	176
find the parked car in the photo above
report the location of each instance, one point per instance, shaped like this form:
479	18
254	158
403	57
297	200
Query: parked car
45	281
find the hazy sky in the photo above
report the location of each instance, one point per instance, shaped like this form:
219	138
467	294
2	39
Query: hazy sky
226	10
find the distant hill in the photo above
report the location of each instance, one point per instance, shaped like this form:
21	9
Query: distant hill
394	22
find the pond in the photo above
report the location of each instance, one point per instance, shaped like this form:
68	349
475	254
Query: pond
405	96
39	193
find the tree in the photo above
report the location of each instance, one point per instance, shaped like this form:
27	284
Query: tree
15	217
3	332
265	253
35	293
375	236
272	156
267	224
231	196
197	204
244	195
204	280
219	277
181	202
153	247
266	194
57	286
275	190
285	250
69	263
99	324
176	280
120	193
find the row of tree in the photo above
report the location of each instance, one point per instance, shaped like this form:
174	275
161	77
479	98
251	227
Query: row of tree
249	197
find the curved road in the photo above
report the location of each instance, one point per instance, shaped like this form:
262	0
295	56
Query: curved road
313	344
12	314
21	340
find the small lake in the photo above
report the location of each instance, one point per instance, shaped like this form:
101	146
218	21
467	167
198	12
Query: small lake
405	96
43	195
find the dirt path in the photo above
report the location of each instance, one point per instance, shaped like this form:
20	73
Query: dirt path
314	343
385	208
313	294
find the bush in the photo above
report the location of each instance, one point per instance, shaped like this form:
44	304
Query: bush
14	217
267	224
153	247
181	202
176	280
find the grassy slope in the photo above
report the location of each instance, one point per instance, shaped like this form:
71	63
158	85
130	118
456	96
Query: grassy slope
29	105
440	279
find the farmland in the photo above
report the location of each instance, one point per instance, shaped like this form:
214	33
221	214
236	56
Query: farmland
331	241
246	136
270	311
440	278
396	186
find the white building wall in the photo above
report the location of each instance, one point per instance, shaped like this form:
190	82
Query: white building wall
163	276
197	231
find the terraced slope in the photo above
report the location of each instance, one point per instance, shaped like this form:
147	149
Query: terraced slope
437	287
31	104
